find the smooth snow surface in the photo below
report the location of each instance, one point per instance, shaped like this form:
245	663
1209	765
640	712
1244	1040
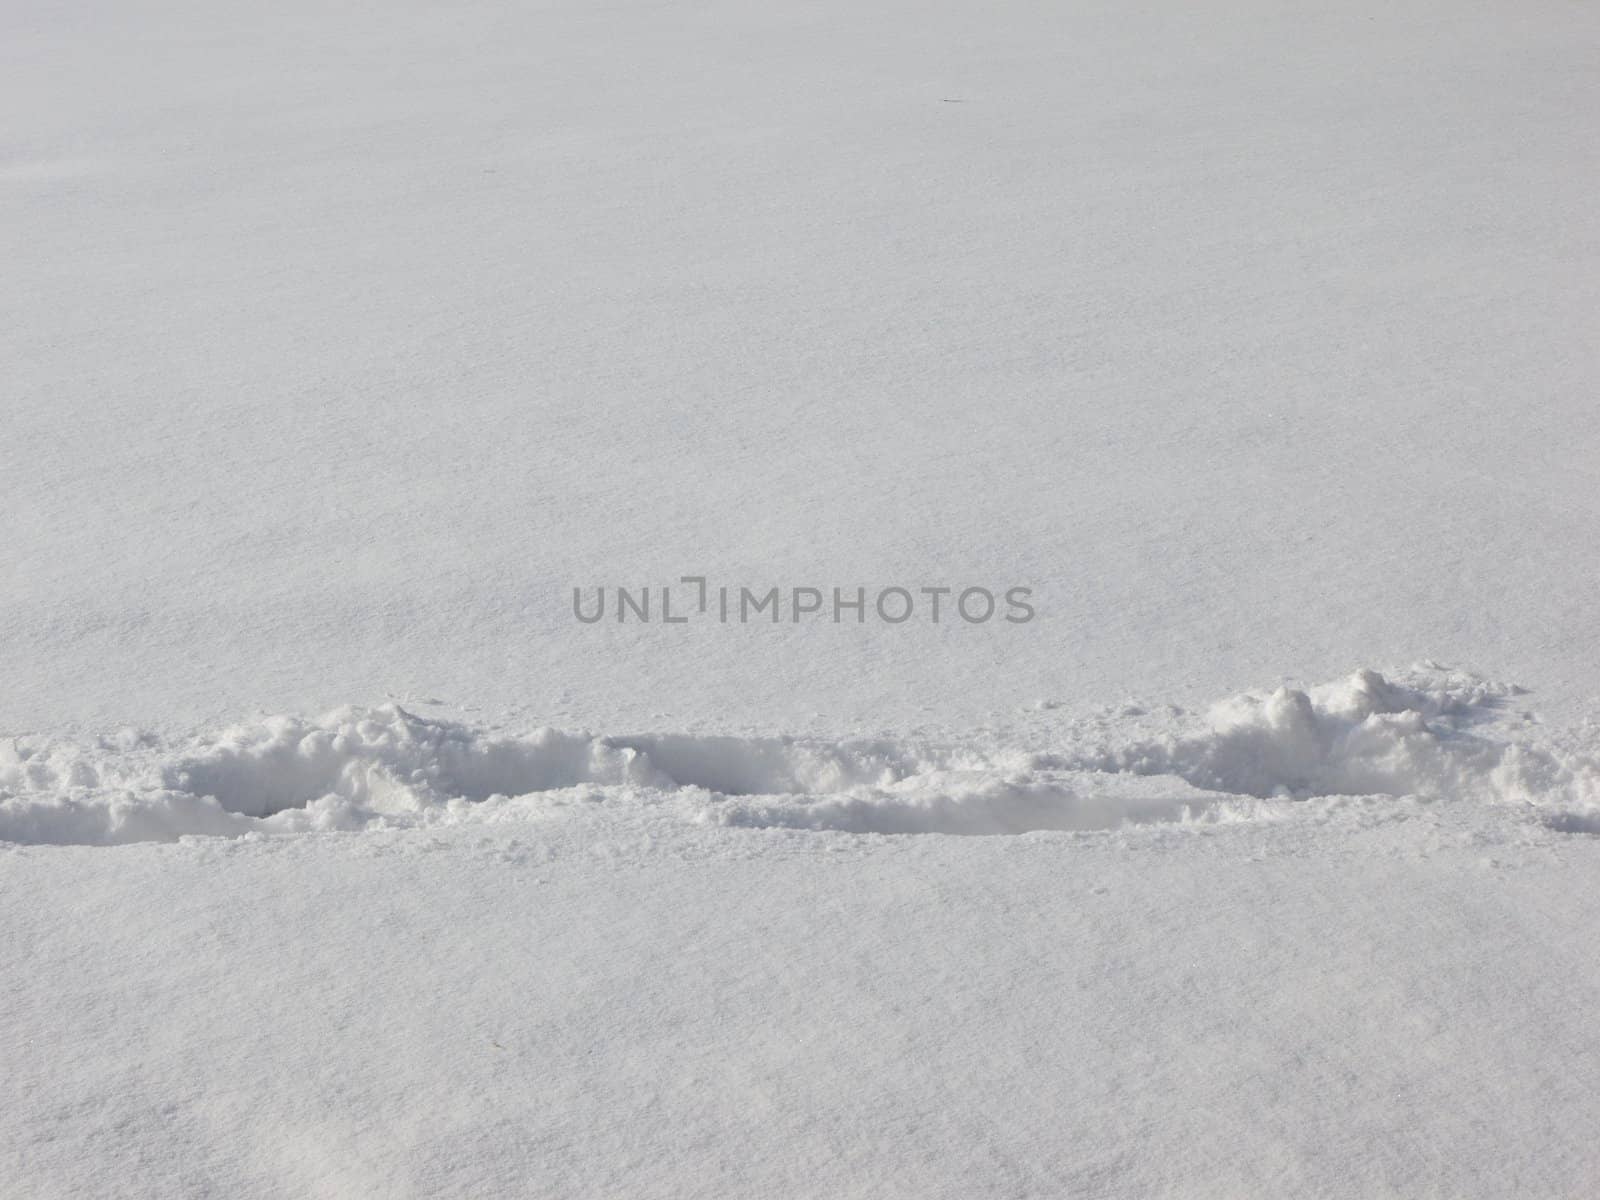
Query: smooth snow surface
340	342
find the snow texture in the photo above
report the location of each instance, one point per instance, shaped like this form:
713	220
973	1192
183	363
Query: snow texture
611	989
340	342
1439	734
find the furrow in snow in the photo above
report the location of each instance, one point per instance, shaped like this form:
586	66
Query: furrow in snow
1427	732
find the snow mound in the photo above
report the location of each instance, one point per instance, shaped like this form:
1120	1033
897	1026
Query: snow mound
1366	735
1429	732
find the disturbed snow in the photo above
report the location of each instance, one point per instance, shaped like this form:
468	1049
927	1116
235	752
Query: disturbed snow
1428	732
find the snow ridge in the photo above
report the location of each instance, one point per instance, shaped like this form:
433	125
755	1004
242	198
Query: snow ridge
1428	732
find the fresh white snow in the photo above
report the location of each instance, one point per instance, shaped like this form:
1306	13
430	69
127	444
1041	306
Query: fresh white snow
340	342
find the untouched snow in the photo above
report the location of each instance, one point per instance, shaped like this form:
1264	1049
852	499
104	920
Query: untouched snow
340	342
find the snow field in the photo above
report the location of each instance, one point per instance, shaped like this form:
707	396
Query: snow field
1379	997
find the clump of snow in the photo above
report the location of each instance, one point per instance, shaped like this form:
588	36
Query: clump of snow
1429	732
1360	735
388	759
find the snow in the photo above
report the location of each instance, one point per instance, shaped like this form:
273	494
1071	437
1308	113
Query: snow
340	343
1445	734
1386	998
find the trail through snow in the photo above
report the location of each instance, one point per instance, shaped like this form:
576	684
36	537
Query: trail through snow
1430	732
